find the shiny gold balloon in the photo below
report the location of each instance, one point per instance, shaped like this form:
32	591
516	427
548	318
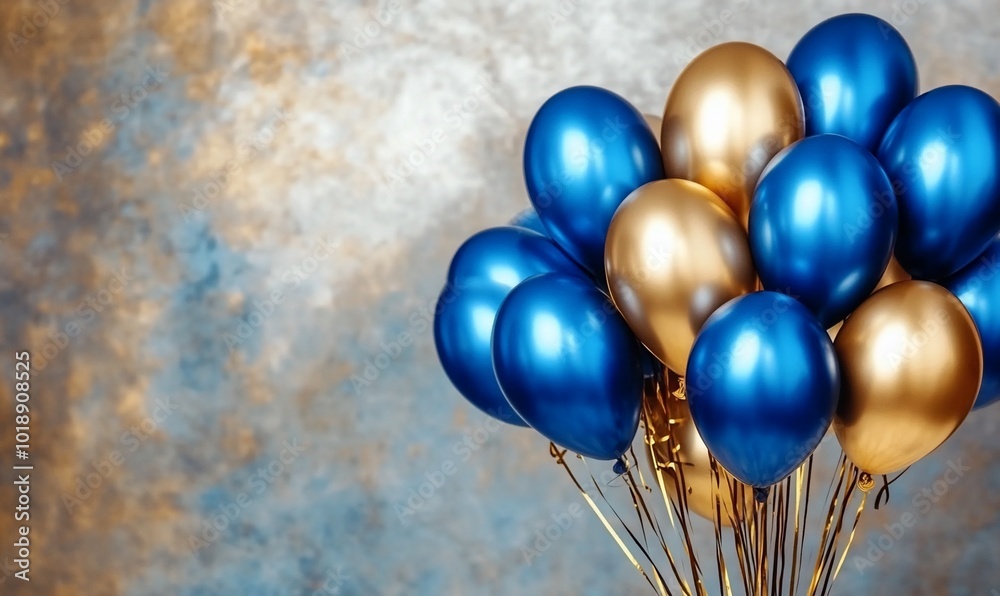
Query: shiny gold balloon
911	363
730	111
894	272
675	447
656	124
674	253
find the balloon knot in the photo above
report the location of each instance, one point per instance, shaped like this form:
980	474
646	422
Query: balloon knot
761	494
866	482
620	466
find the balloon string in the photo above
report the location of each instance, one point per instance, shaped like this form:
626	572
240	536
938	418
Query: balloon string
885	488
741	525
850	539
817	568
832	552
658	466
653	521
560	460
799	473
644	551
681	483
659	578
676	473
642	511
720	557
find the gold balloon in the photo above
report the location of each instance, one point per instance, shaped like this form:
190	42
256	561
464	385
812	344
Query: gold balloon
730	111
673	255
911	363
675	447
655	124
893	273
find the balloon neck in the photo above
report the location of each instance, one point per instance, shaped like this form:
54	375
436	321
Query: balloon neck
760	494
620	466
866	482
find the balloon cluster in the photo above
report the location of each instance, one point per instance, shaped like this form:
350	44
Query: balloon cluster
804	244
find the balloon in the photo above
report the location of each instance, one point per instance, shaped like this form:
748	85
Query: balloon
855	73
893	273
586	150
762	383
676	448
675	253
528	219
505	256
911	364
569	365
482	273
978	287
823	224
730	111
943	155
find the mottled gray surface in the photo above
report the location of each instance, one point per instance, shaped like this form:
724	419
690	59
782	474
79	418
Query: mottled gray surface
191	409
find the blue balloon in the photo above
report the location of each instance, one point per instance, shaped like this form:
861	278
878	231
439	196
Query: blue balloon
762	383
587	149
529	220
977	285
942	154
855	73
569	364
822	225
507	255
483	272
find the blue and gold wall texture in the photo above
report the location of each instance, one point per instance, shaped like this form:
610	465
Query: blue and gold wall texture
223	228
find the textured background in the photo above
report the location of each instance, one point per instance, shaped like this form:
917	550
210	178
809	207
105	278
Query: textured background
270	127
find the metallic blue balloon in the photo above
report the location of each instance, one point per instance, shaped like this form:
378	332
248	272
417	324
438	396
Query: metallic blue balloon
528	219
977	285
483	272
587	149
942	154
569	364
822	225
507	255
762	383
855	73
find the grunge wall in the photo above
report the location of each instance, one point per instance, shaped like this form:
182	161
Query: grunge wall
214	214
